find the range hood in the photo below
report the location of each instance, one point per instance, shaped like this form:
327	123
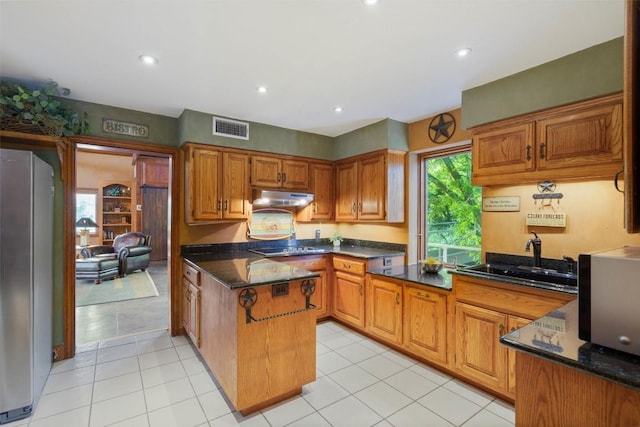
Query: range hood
281	198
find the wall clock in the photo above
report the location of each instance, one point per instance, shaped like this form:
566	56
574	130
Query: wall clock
442	128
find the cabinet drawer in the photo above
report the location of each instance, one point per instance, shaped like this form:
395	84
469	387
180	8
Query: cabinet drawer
306	263
349	265
508	301
190	273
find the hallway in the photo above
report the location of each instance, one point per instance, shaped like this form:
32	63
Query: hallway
101	322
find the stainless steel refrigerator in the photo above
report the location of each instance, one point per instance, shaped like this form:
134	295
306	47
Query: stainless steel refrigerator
26	281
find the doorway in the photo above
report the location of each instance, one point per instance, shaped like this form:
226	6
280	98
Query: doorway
116	318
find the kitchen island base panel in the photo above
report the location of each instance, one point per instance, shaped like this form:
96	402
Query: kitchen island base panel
258	362
272	401
550	394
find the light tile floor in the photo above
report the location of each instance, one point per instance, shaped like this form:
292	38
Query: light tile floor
156	380
99	322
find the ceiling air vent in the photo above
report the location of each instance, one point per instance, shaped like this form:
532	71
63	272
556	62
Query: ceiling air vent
230	128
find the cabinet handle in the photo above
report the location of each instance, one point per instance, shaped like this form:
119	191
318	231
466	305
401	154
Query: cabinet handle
528	152
360	289
353	207
226	205
284	177
360	207
500	328
219	204
543	150
424	295
397	298
279	176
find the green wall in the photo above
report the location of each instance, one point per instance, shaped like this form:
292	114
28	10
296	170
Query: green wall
589	73
163	130
384	134
197	127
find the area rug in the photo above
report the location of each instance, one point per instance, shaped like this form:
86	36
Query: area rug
134	285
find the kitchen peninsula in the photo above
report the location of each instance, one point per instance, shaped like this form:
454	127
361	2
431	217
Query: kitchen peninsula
253	323
563	380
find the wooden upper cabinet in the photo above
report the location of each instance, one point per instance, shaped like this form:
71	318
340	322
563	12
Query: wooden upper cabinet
322	187
346	191
272	172
216	185
371	187
235	188
503	151
587	137
577	141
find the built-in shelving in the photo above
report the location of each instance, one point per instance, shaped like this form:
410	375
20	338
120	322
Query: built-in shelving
117	204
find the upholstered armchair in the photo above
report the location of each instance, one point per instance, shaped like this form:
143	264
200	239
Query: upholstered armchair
131	249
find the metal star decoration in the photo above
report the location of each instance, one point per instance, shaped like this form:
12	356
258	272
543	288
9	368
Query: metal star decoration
442	128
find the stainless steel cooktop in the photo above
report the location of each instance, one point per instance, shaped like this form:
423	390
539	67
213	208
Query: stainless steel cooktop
286	251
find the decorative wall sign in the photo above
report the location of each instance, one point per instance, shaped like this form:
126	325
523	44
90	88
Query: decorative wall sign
550	219
442	128
501	204
125	128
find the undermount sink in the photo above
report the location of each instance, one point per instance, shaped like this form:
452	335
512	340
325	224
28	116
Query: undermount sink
526	272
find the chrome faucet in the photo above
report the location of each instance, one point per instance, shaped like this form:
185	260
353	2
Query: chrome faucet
537	249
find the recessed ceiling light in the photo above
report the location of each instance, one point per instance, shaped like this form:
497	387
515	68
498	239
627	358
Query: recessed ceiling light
370	2
262	89
148	59
463	52
338	109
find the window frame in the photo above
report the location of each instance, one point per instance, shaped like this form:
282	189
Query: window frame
95	192
422	190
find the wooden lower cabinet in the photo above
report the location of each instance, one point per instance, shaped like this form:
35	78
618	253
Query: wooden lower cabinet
426	323
348	298
384	309
479	354
191	303
484	311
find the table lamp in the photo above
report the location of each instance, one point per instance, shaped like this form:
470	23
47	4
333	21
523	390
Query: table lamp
84	234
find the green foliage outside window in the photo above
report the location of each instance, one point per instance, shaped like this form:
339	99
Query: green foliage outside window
453	209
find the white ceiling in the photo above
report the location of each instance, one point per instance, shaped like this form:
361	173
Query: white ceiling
395	60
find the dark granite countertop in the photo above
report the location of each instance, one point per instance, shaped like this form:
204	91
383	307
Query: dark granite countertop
413	273
516	281
362	251
555	337
243	269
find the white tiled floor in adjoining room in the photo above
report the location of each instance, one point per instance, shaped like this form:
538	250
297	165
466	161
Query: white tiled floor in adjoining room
154	380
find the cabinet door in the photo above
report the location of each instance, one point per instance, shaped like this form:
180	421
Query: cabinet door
322	185
425	323
346	191
503	151
204	176
186	306
348	298
266	172
194	314
372	180
319	298
479	354
384	309
295	174
235	186
587	138
514	323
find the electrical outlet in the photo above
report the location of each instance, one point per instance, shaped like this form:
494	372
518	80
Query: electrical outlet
317	234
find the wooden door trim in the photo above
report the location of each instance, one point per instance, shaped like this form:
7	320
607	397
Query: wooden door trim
173	263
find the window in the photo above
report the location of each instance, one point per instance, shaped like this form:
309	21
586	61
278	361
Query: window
452	208
86	207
